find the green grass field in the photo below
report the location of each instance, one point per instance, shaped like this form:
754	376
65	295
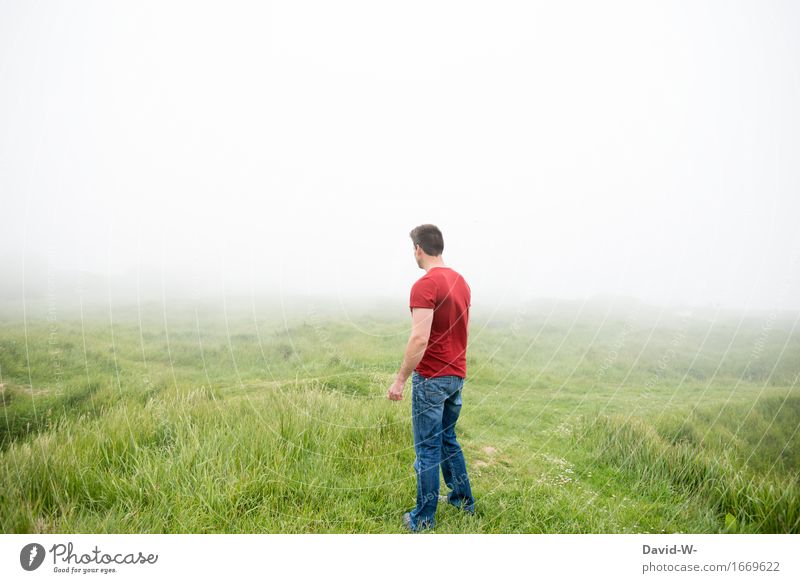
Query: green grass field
240	418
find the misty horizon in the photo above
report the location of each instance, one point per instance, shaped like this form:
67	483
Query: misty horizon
629	149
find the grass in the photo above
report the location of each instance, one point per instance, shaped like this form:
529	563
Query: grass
194	418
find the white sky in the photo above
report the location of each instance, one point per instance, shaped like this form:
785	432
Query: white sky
565	149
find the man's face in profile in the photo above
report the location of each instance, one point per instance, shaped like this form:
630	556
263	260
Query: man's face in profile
418	255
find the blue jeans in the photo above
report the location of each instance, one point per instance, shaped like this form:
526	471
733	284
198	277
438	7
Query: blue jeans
435	405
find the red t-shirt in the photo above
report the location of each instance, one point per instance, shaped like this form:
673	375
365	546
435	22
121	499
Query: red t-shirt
448	294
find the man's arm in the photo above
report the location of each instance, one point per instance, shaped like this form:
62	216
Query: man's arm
421	320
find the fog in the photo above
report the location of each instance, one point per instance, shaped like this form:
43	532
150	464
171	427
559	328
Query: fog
566	150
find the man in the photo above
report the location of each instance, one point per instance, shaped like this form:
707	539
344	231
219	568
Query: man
436	353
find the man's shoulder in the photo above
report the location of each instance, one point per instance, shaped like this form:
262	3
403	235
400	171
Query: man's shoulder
426	277
440	276
457	274
458	277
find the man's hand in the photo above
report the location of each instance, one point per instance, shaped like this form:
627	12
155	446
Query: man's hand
396	391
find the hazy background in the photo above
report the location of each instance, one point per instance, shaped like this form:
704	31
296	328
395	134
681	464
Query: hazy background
565	149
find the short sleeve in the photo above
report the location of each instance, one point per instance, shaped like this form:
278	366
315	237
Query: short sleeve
423	294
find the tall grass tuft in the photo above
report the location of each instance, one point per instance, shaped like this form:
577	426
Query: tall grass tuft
702	456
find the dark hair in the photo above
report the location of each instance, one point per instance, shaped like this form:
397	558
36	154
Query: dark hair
429	237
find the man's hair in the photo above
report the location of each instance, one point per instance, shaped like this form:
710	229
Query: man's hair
429	237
